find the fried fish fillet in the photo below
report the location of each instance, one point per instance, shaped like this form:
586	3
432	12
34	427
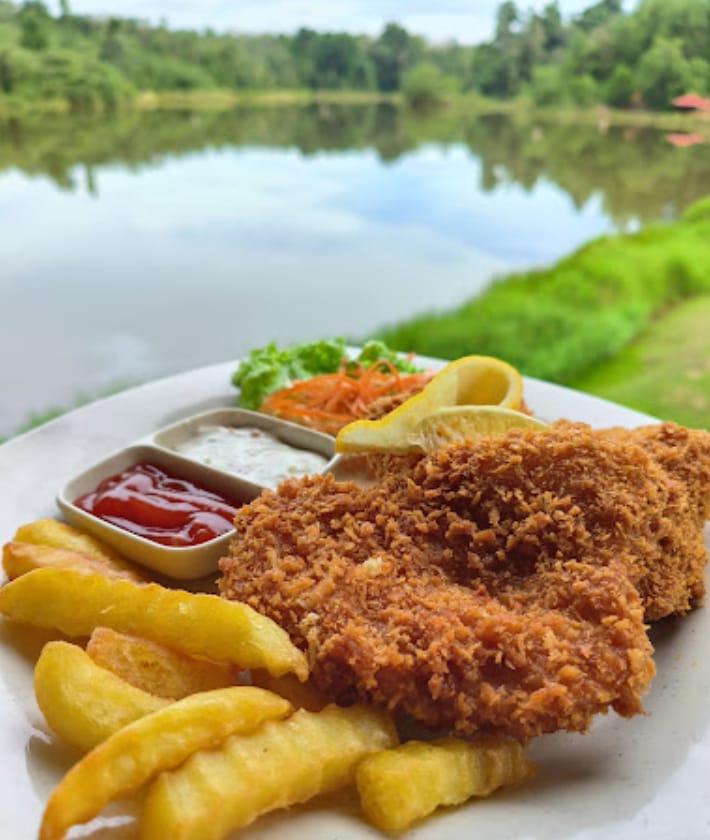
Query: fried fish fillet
498	585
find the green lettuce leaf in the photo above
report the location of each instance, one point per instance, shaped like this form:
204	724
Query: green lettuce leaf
270	368
267	369
373	351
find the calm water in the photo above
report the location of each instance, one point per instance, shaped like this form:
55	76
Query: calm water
136	246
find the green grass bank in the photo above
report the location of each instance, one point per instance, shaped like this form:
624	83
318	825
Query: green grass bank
624	317
665	371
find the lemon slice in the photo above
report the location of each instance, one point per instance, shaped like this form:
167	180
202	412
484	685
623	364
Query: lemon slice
469	381
467	422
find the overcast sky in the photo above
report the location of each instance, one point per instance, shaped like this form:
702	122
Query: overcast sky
467	21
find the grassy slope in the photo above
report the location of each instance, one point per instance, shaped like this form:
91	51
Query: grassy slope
634	306
665	371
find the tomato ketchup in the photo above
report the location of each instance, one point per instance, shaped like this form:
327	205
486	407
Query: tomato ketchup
150	502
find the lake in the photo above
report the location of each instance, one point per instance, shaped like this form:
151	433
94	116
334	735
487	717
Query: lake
141	244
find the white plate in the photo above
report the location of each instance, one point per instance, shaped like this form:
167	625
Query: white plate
641	779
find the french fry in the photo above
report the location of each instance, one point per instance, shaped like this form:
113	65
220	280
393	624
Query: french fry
18	558
402	785
302	695
157	742
60	535
156	668
82	702
198	624
280	764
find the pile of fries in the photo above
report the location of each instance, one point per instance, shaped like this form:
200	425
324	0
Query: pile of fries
206	704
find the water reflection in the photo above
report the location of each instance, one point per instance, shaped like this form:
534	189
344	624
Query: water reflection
635	171
136	245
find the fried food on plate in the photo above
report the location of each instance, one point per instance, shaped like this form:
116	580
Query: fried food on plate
157	742
156	668
676	583
18	558
401	785
301	695
496	585
82	702
672	579
57	534
280	764
197	624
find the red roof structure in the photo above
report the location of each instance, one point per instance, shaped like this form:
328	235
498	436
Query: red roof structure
692	102
683	140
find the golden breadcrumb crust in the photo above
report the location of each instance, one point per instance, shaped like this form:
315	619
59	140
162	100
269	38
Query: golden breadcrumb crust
498	585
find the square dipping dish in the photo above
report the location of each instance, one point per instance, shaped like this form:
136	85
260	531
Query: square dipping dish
203	449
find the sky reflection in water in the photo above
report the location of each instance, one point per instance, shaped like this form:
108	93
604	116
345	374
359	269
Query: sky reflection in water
197	258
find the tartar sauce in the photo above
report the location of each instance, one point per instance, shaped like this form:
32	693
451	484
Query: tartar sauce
251	453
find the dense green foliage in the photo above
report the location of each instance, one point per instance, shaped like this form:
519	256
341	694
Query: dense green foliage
560	322
603	55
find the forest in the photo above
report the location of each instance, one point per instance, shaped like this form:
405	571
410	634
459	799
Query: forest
641	58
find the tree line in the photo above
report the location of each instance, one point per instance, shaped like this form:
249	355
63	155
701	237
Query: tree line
604	55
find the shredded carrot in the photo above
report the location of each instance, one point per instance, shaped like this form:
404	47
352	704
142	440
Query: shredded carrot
332	400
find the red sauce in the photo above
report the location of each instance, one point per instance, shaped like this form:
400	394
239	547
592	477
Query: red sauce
149	502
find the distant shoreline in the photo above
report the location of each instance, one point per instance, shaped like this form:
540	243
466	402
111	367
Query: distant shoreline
211	100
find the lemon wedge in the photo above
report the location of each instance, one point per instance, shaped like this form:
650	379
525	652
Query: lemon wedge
467	382
467	422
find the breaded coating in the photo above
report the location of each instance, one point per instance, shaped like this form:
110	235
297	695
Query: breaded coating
673	576
684	453
498	585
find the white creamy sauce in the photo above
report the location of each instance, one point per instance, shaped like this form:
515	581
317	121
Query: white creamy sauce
253	454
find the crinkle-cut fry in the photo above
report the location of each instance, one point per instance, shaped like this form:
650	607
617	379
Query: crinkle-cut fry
159	669
58	534
198	624
18	558
402	785
280	764
160	741
82	702
302	695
